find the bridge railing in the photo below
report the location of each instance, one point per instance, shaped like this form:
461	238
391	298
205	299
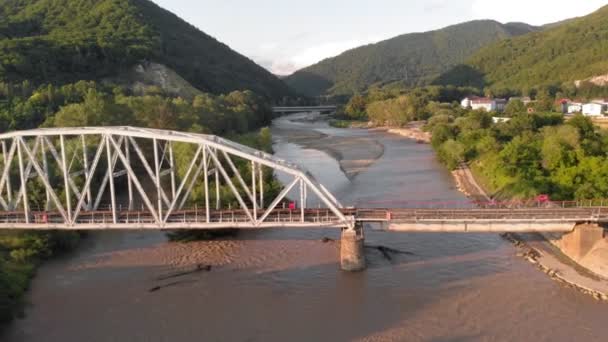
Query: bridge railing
189	216
473	204
495	214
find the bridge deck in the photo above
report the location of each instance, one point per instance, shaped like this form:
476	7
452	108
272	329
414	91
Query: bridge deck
422	220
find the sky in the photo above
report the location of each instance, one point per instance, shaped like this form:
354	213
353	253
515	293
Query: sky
286	35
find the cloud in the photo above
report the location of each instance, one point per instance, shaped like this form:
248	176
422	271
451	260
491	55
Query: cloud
436	5
306	56
535	12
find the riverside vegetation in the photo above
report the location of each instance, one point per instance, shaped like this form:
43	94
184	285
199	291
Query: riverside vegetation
533	153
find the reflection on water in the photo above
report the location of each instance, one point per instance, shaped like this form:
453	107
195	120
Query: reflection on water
284	285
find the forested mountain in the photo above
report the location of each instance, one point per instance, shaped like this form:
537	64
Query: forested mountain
414	59
63	41
575	50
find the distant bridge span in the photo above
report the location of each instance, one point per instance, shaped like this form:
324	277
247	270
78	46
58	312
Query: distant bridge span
301	109
138	178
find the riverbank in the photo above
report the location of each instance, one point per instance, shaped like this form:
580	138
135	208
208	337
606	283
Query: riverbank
539	249
588	274
413	130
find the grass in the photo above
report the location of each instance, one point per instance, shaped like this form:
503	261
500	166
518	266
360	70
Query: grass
341	123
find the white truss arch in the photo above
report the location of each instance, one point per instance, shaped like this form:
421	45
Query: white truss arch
85	172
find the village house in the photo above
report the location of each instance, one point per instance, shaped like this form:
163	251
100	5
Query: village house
575	107
484	103
568	106
595	108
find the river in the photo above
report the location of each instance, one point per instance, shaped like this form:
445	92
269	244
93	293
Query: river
285	285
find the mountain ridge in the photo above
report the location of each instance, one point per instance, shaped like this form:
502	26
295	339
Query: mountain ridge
61	41
573	50
415	57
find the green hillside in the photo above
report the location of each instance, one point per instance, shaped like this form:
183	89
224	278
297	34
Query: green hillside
575	50
63	41
414	59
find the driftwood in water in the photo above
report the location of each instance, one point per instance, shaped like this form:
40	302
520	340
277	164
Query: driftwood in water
199	268
326	240
387	251
156	288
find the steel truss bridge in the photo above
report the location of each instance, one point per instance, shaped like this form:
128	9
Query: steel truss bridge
139	178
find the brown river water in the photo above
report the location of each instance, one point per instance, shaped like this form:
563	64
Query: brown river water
285	285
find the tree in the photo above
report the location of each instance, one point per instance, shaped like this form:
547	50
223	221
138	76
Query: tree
451	153
515	106
356	107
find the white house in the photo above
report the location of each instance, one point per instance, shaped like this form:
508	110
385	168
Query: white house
594	109
575	107
484	103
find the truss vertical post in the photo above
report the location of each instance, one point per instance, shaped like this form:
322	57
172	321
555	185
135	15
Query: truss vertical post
253	191
45	168
305	202
87	175
217	183
157	175
111	178
9	191
206	175
302	199
66	178
26	210
129	180
6	178
261	174
172	166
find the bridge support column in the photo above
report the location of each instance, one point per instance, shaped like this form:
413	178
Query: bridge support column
352	250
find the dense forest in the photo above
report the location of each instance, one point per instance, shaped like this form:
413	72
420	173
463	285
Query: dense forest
412	59
65	41
559	56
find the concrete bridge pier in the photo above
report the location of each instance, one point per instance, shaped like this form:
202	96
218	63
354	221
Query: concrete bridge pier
352	250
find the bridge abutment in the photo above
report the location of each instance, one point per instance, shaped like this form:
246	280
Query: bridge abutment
352	250
586	244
